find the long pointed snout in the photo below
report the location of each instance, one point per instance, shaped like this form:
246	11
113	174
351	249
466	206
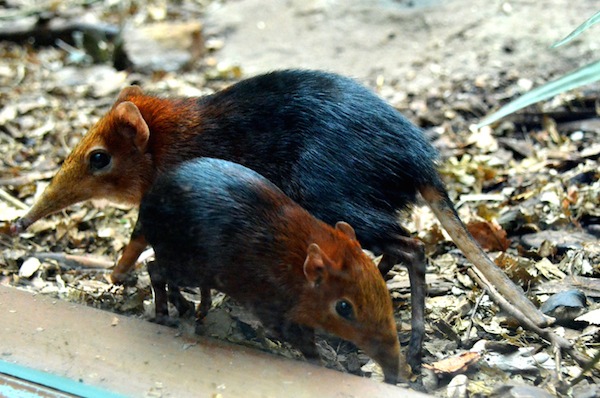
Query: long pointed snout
58	195
390	363
50	202
387	355
20	225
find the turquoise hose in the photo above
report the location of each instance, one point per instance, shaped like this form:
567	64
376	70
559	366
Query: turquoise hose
58	383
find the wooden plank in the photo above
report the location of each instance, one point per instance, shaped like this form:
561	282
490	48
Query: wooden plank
137	358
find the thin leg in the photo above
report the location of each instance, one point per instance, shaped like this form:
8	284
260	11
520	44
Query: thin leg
303	338
137	244
184	307
411	253
159	286
203	308
205	302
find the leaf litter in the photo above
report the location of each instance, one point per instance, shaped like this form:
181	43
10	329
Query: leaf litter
528	191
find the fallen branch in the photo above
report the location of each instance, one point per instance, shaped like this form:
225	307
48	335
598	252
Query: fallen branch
72	261
47	32
547	334
37	10
442	208
12	200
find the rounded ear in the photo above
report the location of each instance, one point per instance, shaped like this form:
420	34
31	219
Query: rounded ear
128	92
346	229
131	119
314	267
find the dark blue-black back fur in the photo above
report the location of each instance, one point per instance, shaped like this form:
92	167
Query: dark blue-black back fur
211	212
329	143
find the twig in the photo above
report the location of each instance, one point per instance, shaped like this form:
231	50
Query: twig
468	331
558	362
47	33
36	10
22	12
525	322
12	200
589	366
73	261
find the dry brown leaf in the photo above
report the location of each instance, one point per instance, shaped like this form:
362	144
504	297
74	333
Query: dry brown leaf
490	236
454	364
519	269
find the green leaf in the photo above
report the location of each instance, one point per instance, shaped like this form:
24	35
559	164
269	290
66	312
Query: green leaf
593	20
584	75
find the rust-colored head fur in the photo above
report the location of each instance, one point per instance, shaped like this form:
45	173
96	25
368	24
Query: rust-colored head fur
112	161
347	296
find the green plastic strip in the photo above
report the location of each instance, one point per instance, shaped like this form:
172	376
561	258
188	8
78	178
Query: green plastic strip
584	75
579	30
56	382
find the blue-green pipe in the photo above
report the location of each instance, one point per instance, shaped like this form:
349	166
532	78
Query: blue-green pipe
56	382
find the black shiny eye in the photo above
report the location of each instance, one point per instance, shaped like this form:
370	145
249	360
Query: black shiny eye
344	309
99	160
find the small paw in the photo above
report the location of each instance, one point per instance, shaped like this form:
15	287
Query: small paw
126	279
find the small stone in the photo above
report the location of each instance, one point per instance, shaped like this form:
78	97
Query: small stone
29	267
457	388
163	46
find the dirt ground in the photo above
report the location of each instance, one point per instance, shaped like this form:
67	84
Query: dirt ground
533	178
415	45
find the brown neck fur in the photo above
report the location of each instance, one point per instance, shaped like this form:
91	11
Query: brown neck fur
173	122
297	229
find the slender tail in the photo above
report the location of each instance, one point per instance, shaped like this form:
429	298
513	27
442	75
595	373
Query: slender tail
442	207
